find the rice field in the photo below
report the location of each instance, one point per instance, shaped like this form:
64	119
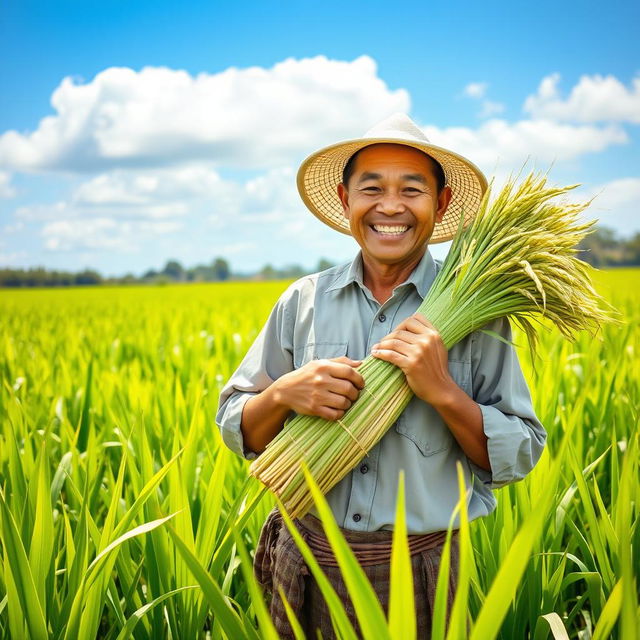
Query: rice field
123	516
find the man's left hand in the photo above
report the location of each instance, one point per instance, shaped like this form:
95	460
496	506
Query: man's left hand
415	346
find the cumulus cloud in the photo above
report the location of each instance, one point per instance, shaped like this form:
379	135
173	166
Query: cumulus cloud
120	209
253	117
594	99
498	144
151	147
166	193
615	204
6	188
102	234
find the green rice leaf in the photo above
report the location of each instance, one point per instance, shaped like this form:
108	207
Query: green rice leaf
17	566
402	613
365	601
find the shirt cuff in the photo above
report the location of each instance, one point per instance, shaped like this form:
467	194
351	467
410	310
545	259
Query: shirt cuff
502	446
229	424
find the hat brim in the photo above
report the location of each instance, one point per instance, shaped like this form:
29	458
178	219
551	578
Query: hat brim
321	172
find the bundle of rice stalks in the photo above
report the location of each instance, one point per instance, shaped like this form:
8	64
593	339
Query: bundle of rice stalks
517	259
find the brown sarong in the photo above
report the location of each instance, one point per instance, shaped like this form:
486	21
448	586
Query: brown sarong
279	564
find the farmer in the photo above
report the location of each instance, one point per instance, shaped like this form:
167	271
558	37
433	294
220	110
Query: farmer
395	193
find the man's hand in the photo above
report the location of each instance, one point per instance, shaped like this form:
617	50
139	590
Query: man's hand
417	348
323	388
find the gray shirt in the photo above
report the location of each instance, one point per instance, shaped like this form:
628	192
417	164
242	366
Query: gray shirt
331	314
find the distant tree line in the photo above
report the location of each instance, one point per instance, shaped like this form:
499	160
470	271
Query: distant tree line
218	271
603	248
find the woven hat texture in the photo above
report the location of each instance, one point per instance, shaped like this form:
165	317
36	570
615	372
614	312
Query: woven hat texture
320	174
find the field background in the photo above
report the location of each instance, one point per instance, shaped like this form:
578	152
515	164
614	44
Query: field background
108	403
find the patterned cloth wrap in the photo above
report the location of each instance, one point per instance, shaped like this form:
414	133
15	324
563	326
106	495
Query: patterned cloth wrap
278	563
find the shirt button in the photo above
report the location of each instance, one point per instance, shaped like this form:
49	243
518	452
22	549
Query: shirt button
382	317
356	517
364	468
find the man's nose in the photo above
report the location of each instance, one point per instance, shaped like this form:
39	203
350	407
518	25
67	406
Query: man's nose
390	203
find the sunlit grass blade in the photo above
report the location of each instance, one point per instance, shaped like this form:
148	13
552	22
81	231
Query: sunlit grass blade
265	624
17	566
226	616
339	618
370	615
127	630
439	613
96	570
610	614
402	613
550	622
505	585
459	621
42	540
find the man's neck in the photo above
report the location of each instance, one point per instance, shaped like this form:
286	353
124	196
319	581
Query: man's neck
382	279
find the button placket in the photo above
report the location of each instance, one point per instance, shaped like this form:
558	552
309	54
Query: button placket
379	327
363	489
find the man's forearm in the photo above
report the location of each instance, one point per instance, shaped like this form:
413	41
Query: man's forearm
464	418
262	419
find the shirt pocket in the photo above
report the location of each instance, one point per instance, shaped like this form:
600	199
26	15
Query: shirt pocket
422	424
317	351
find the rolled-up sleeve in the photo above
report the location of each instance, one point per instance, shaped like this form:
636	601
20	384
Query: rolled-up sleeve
268	358
515	436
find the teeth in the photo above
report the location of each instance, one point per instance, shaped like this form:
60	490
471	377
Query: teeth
391	229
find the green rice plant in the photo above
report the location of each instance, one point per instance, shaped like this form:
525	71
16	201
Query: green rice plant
158	359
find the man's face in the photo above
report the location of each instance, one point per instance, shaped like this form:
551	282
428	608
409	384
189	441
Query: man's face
392	203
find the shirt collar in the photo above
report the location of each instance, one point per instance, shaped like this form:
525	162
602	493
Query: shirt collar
421	277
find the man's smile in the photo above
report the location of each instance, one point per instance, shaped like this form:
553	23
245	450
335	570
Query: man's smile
390	229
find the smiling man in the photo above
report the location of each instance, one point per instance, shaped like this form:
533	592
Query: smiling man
395	193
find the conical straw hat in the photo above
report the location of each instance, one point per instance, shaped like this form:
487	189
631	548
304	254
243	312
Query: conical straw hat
320	174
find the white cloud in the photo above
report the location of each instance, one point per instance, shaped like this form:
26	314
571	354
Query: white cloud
166	193
497	145
615	204
594	99
622	192
252	117
102	234
6	188
121	210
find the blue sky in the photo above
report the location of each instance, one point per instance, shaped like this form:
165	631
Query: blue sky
135	132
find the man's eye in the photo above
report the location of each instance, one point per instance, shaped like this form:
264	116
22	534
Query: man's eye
413	189
370	189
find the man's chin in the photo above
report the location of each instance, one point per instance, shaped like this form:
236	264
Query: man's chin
389	258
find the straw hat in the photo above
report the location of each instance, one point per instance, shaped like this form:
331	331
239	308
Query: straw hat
320	174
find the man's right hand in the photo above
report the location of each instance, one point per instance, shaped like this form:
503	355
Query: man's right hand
323	388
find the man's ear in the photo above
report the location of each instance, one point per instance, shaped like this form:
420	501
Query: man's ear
343	194
444	198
